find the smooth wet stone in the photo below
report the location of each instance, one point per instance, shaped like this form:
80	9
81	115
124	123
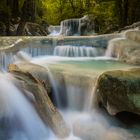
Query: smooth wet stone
126	49
133	35
119	91
32	79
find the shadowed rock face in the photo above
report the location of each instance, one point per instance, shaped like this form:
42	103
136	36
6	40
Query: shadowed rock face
119	91
33	78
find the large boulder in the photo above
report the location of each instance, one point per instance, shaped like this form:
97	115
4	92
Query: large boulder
119	91
33	80
31	29
126	49
133	35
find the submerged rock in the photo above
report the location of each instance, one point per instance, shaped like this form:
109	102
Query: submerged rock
119	91
33	79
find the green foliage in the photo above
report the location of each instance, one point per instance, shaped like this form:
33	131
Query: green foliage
106	13
58	10
4	9
21	2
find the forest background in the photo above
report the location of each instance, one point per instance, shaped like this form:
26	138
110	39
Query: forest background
107	14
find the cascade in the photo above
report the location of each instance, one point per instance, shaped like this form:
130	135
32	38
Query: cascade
20	119
77	26
77	51
54	30
73	96
5	60
71	27
76	105
74	101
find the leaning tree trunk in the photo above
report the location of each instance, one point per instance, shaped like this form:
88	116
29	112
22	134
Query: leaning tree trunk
21	28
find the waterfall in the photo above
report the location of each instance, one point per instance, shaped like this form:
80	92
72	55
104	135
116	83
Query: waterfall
54	30
76	104
19	117
5	60
78	26
38	51
74	99
19	120
71	27
77	51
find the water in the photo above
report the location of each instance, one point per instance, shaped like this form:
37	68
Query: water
82	122
54	30
54	33
77	26
67	51
71	27
73	81
77	51
22	120
5	60
76	101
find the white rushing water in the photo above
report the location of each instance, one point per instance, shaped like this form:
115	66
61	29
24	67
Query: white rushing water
14	107
76	51
24	123
86	123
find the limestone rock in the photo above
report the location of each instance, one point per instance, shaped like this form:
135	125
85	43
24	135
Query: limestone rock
133	35
31	29
32	78
119	91
126	49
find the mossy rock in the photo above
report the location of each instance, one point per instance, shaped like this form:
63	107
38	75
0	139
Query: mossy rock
119	91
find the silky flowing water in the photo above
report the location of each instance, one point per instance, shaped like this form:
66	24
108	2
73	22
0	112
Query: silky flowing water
73	80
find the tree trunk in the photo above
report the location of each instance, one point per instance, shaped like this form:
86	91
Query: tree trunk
15	8
125	12
21	28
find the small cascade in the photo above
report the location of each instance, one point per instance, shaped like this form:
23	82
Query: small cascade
71	27
17	116
77	51
54	84
54	30
5	60
38	51
73	95
54	33
69	96
80	113
78	26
